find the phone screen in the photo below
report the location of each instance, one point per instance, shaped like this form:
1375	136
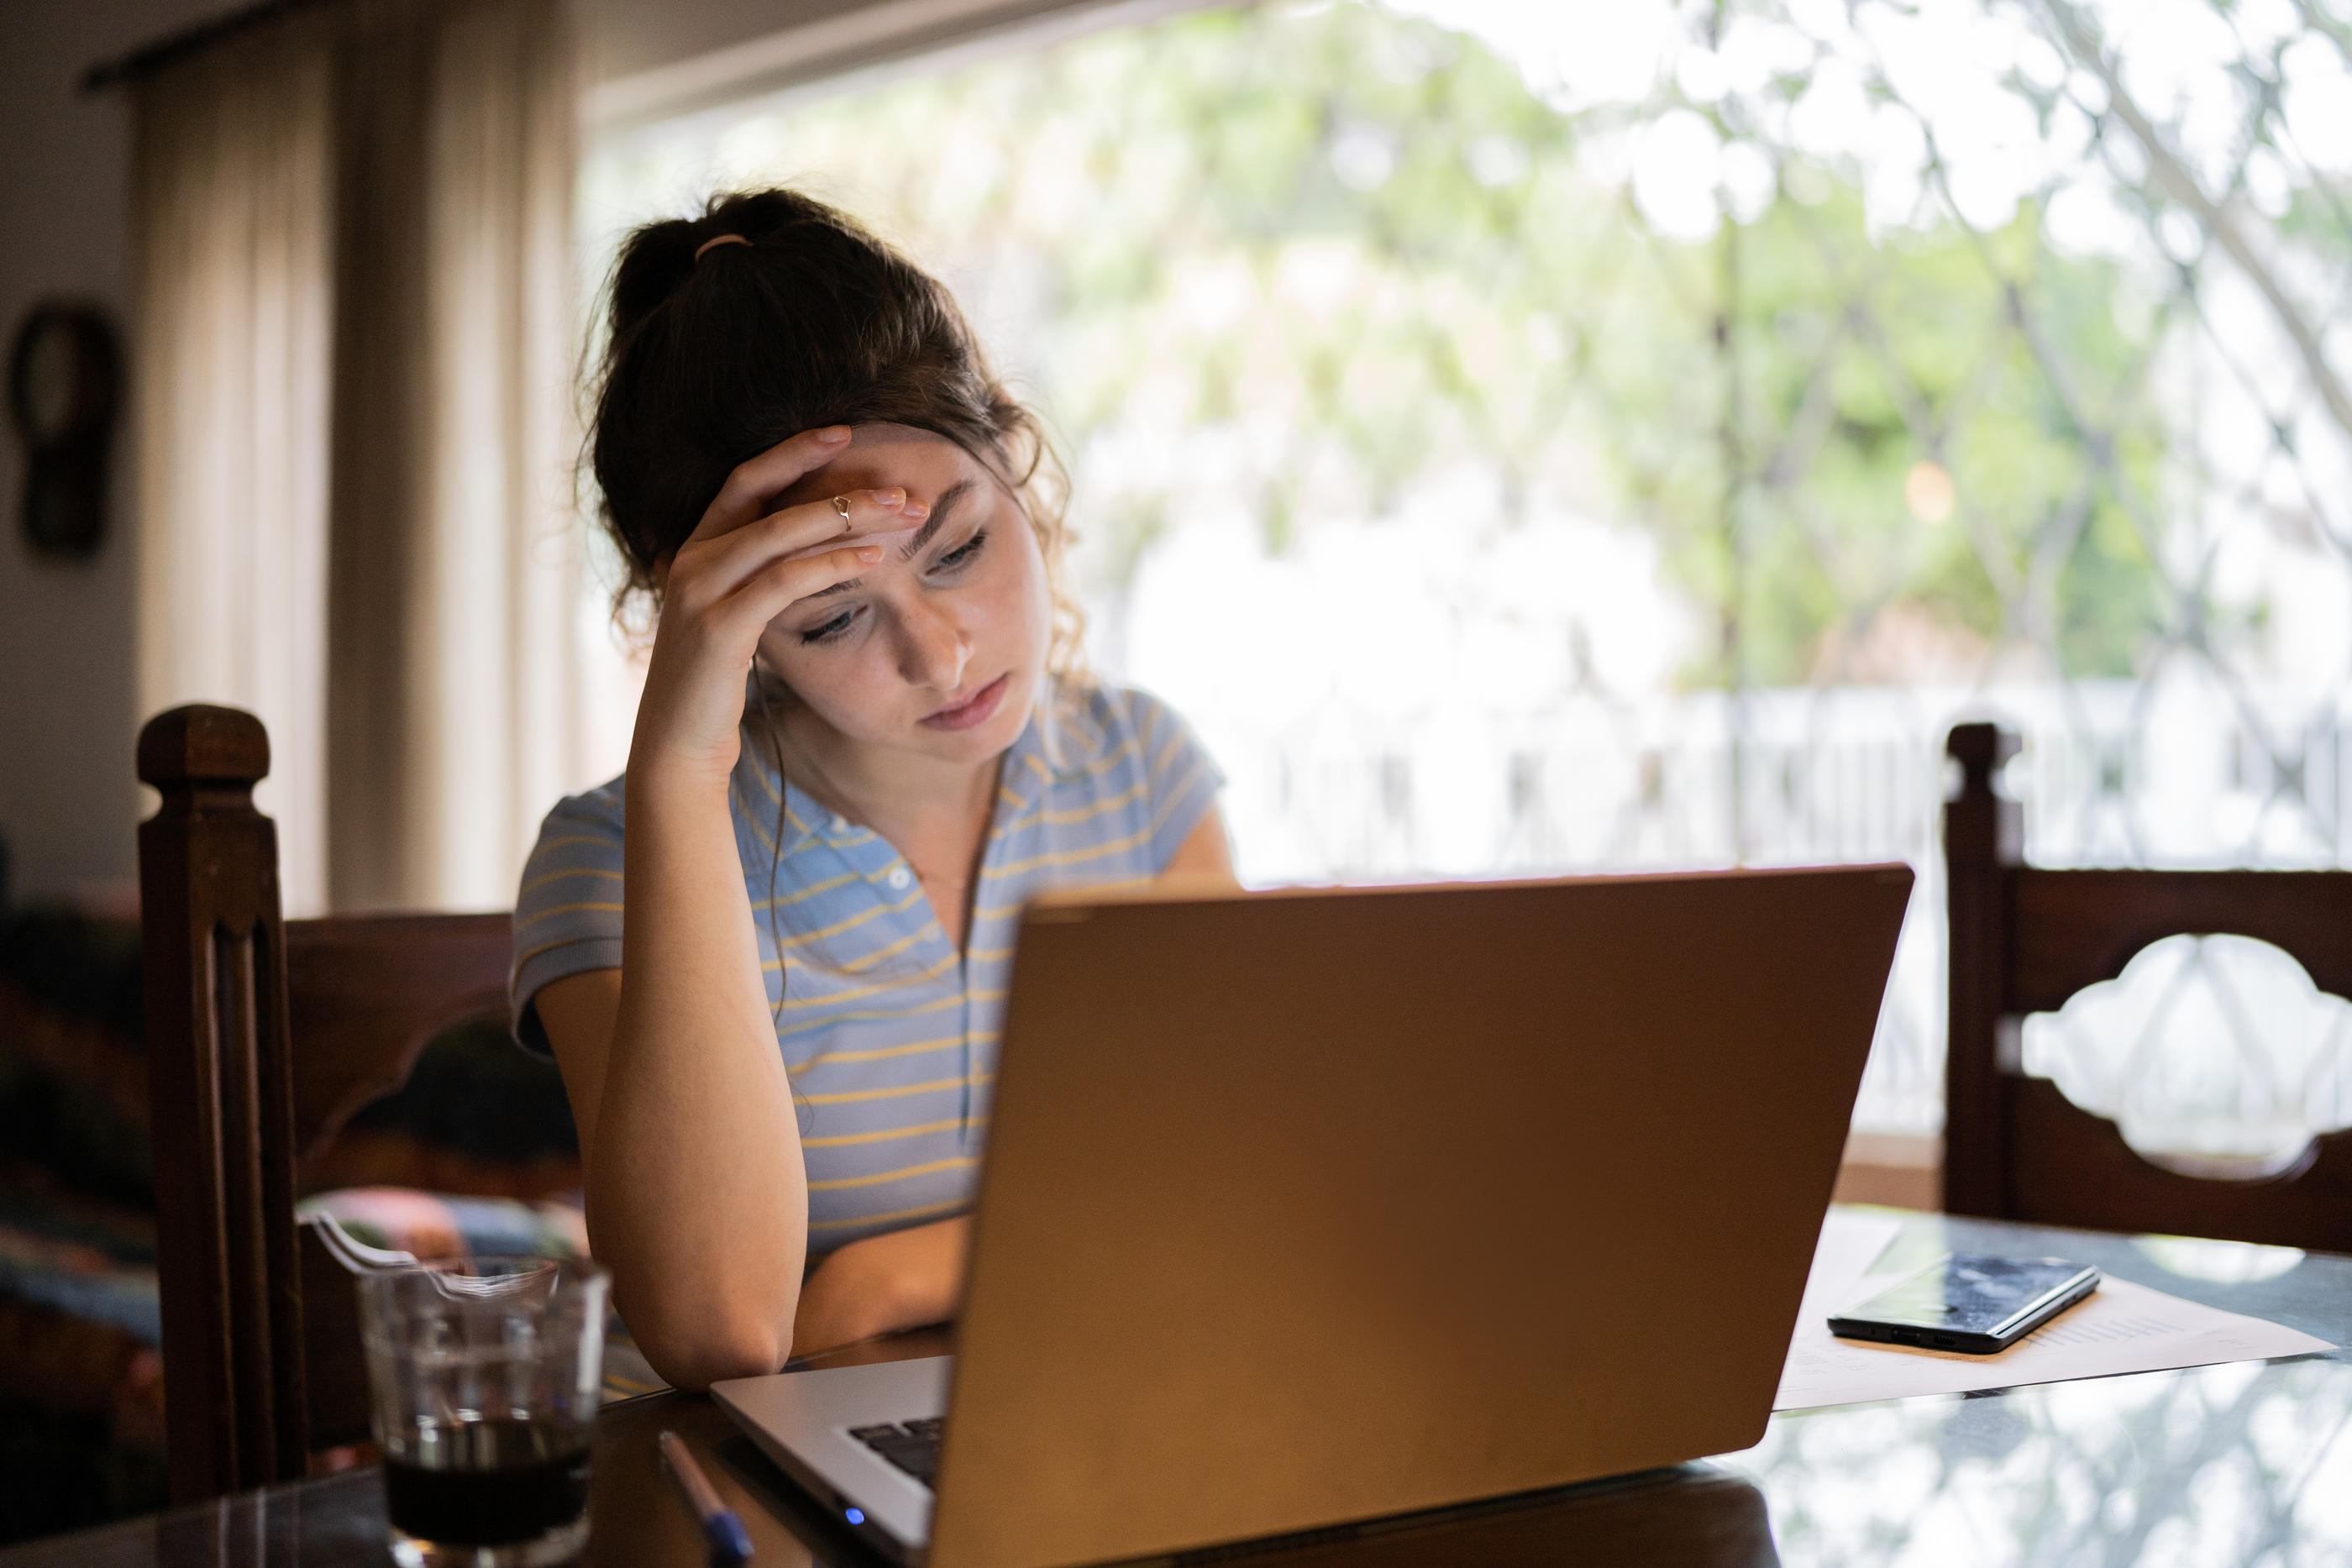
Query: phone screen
1966	1293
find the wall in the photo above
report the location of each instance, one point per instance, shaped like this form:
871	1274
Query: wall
66	798
68	719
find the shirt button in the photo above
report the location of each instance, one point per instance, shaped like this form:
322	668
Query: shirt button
900	876
840	824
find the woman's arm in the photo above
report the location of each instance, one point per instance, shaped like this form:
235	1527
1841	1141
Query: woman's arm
1205	855
913	1277
697	1196
904	1280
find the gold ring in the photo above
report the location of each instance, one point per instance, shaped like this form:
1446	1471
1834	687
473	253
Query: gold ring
841	505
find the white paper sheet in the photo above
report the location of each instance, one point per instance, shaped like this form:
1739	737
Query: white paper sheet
2122	1328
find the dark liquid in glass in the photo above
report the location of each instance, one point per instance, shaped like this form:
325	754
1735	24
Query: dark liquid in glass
488	1483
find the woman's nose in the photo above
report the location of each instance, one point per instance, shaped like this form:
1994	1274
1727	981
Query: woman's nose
935	652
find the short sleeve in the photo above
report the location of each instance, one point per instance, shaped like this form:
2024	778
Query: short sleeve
1180	780
567	916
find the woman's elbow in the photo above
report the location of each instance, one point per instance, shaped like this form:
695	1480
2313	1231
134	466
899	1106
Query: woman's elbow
693	1356
696	1338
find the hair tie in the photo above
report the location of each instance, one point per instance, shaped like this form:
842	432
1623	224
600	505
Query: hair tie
718	239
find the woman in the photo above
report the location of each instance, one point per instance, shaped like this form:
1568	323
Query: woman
863	745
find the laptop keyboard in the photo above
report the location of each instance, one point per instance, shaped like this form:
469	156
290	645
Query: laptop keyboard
912	1446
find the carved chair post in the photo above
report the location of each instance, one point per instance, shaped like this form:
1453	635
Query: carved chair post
2024	940
222	1098
1983	833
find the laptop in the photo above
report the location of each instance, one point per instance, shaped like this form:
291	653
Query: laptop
1309	1208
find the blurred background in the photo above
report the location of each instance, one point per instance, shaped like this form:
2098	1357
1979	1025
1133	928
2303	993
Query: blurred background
1524	438
1541	438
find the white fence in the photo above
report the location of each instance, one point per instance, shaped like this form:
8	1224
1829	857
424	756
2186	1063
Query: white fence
2187	772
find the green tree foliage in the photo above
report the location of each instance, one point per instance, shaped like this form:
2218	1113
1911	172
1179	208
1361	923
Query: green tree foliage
1349	252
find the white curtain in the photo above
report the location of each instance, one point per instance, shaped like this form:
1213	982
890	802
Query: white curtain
414	597
497	695
234	190
455	702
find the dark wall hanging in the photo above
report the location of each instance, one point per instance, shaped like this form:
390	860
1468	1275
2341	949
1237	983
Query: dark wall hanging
65	387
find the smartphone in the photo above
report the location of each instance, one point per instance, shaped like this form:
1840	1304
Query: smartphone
1969	1302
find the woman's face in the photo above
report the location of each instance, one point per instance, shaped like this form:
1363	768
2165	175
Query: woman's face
940	649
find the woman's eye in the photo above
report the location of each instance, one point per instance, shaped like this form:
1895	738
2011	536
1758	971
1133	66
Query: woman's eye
831	629
963	553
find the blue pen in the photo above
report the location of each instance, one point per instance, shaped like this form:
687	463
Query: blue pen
729	1542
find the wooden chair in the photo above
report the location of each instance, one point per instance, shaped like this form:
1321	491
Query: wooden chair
2023	940
265	1035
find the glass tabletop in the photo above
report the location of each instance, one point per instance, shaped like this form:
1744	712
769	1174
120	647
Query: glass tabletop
2248	1462
2242	1463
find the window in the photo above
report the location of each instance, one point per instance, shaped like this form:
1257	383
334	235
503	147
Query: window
1533	439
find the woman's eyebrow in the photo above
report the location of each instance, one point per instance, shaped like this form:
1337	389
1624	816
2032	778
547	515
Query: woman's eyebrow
942	512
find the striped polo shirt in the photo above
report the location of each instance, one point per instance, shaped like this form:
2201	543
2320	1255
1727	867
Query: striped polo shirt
889	1033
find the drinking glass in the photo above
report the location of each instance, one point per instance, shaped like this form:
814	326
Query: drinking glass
484	1372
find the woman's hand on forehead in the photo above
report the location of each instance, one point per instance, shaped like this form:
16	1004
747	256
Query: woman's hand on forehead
887	458
893	544
746	562
800	501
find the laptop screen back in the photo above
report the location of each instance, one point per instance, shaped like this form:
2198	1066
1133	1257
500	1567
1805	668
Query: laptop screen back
1305	1207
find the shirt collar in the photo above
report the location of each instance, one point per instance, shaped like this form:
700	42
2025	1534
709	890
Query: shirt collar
1062	739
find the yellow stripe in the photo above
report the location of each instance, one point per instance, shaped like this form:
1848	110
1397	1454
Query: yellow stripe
866	961
933	973
999	911
1067	857
842	1140
860	918
852	1096
1175	744
537	915
886	1218
941	1004
832	1058
551	947
811	891
559	876
959	1163
749	817
1175	799
1127	749
579	839
1103	807
790	815
1108	803
1130	747
857	832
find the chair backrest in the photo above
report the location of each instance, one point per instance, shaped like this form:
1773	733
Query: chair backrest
2023	940
265	1035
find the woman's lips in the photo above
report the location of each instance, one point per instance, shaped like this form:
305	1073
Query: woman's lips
974	709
